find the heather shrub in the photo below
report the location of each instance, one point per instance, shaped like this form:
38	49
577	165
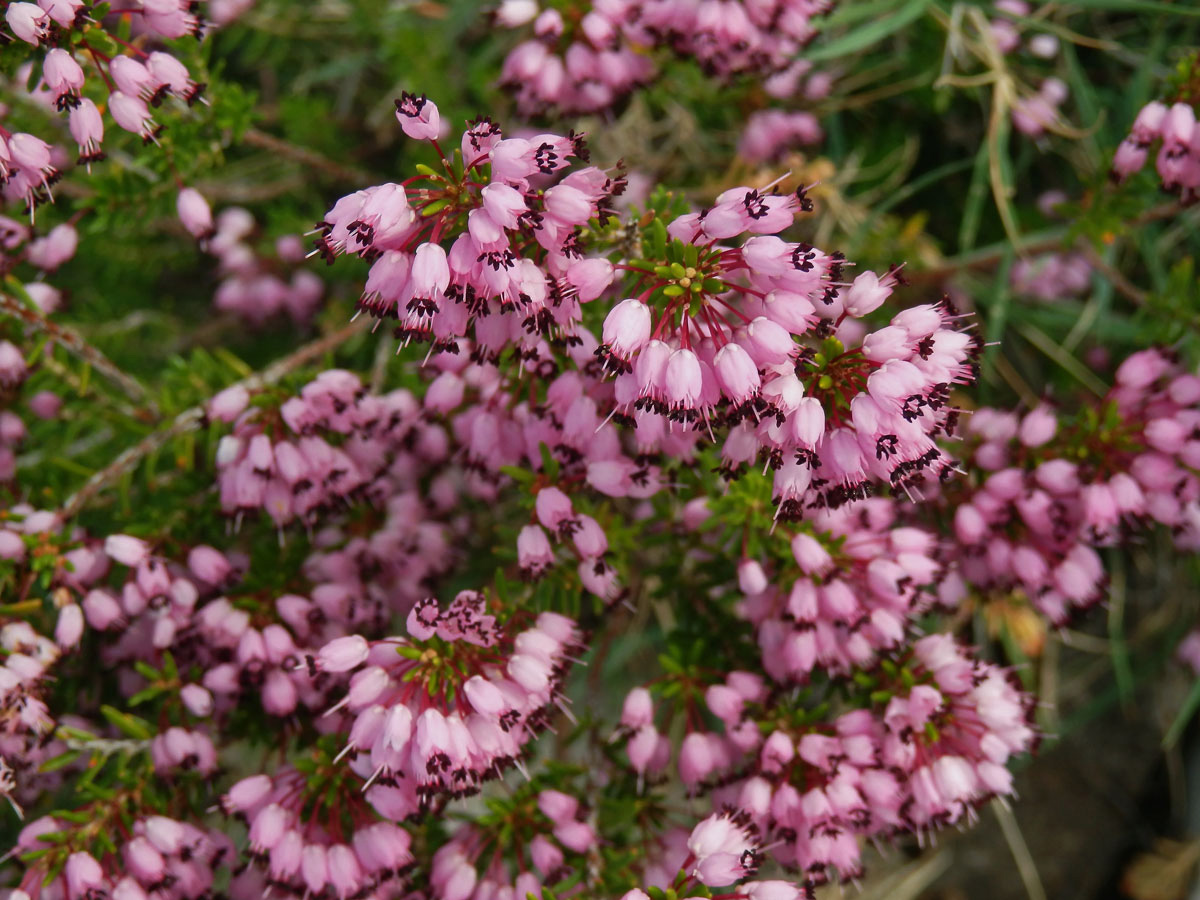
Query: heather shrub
694	448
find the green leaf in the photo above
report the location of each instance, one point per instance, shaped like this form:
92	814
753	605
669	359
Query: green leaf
871	33
78	817
146	670
1190	705
549	463
657	234
1140	6
129	725
144	695
61	761
519	474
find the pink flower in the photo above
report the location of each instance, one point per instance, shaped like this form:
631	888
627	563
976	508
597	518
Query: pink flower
133	79
84	877
683	380
1038	426
736	373
1188	651
197	699
725	703
194	214
643	748
769	134
101	609
228	404
626	331
167	70
143	861
811	555
267	826
418	116
131	114
129	551
69	628
63	77
589	538
246	794
590	277
63	12
534	553
343	654
12	365
575	836
638	709
28	22
54	249
173	19
87	128
867	293
554	511
723	850
12	547
557	806
777	751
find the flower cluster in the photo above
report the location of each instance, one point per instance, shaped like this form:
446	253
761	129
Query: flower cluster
931	748
1009	33
254	287
25	721
1036	113
1049	493
585	58
488	249
863	580
130	86
1055	276
282	464
711	336
301	844
550	837
162	607
189	614
556	514
1178	159
708	335
157	857
937	751
449	707
771	133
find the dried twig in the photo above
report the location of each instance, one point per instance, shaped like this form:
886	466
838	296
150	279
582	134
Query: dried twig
1130	290
74	343
304	156
1026	867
